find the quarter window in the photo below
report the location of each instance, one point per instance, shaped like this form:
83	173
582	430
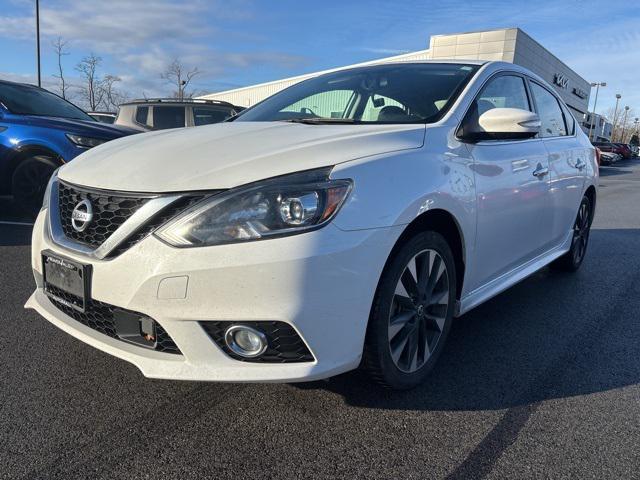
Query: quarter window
549	112
569	120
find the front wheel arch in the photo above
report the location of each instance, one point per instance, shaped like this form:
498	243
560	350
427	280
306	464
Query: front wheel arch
27	151
444	223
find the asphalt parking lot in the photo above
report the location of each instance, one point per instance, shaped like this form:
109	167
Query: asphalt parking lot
542	381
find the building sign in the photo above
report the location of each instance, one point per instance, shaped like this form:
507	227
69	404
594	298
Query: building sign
560	80
578	92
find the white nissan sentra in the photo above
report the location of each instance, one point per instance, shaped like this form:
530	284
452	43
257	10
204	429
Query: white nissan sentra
342	222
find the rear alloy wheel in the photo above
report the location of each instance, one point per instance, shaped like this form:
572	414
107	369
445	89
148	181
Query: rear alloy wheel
571	261
29	182
412	312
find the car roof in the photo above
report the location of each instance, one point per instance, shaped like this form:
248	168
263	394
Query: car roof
20	84
175	101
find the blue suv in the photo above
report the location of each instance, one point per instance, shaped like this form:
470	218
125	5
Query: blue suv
39	131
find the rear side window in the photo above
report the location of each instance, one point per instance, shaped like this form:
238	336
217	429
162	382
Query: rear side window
207	115
549	112
141	115
168	117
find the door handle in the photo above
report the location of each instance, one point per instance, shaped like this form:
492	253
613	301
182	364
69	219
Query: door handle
580	164
540	171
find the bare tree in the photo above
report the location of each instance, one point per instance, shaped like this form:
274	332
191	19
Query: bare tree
112	97
178	76
91	90
59	47
624	126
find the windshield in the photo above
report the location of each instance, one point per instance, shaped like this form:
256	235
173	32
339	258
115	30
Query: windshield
27	100
405	93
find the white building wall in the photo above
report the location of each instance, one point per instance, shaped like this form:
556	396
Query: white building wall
494	45
515	46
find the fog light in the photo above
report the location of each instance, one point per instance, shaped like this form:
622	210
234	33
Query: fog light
245	341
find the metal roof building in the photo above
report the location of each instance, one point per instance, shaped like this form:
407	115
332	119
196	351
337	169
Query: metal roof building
507	44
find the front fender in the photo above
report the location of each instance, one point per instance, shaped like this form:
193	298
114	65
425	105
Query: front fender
394	189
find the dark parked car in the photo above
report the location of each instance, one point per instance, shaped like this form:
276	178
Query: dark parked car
164	113
39	131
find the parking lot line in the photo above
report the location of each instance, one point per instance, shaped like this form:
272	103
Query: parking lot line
24	224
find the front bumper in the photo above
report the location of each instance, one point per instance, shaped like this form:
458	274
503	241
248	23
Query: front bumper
321	283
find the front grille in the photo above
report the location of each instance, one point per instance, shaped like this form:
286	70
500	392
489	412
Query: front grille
100	317
284	344
110	211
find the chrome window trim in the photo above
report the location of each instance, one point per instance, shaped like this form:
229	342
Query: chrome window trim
135	221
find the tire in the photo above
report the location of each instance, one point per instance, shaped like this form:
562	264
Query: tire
421	312
29	182
571	261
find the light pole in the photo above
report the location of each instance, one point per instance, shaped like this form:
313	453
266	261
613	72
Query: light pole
597	85
624	123
615	117
38	39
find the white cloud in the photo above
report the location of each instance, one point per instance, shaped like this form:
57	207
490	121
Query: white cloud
138	39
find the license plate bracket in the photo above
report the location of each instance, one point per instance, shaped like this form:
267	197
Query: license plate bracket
65	280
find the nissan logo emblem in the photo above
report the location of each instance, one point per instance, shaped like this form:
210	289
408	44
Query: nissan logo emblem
81	216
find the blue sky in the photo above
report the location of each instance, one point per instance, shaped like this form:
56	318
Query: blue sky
241	42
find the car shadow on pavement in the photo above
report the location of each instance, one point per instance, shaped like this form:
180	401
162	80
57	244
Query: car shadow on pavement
554	335
612	170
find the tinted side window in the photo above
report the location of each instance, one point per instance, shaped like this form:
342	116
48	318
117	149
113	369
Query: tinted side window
205	116
549	112
141	115
168	117
504	91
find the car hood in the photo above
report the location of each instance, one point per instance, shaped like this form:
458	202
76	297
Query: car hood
226	155
80	127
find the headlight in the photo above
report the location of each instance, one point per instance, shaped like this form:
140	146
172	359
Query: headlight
284	206
85	142
47	192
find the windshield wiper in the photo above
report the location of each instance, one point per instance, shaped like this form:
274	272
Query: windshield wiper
320	120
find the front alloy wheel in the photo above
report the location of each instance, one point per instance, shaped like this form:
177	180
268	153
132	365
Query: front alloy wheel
412	312
418	311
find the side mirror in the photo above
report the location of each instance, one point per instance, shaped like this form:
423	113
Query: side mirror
502	124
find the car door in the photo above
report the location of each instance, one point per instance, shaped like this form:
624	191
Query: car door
512	188
567	160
